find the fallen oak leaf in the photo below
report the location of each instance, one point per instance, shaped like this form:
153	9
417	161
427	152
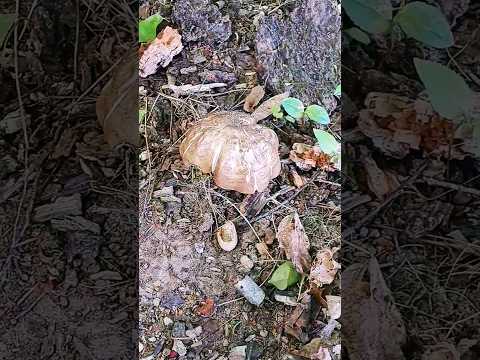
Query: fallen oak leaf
293	239
160	52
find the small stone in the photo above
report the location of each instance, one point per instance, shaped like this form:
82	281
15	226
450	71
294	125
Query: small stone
246	262
263	333
199	247
144	155
250	338
156	302
167	321
238	353
178	330
188	70
179	347
152	339
287	300
198	59
250	290
220	4
194	333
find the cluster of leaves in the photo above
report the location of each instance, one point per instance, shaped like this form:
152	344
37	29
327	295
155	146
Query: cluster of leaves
147	29
418	20
295	111
426	24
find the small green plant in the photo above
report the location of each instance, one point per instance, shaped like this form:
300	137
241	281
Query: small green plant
357	34
418	20
295	111
284	276
147	29
6	22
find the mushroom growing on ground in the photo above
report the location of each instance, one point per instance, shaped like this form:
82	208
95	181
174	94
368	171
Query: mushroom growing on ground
241	155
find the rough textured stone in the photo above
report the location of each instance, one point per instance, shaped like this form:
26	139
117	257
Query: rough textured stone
302	52
201	21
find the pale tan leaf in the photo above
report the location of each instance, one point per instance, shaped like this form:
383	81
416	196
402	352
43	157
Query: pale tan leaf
160	52
324	268
265	109
293	239
334	306
252	100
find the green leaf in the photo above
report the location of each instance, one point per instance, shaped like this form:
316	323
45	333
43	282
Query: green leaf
284	276
147	29
359	35
293	107
327	142
6	22
277	112
318	114
338	91
373	16
141	114
425	23
449	94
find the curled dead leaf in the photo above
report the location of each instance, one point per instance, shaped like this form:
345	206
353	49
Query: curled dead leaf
324	268
253	98
307	157
227	236
293	239
160	51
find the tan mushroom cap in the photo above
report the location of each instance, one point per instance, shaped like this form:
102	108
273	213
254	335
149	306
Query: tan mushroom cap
241	155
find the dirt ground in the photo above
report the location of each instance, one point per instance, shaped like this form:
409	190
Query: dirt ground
182	267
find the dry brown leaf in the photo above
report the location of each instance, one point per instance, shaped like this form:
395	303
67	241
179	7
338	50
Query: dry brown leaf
262	249
206	308
115	103
265	109
397	124
160	51
252	100
380	182
298	180
293	239
299	321
324	268
375	328
307	157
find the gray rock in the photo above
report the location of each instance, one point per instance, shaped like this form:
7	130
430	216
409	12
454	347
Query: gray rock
201	21
303	50
252	292
178	330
